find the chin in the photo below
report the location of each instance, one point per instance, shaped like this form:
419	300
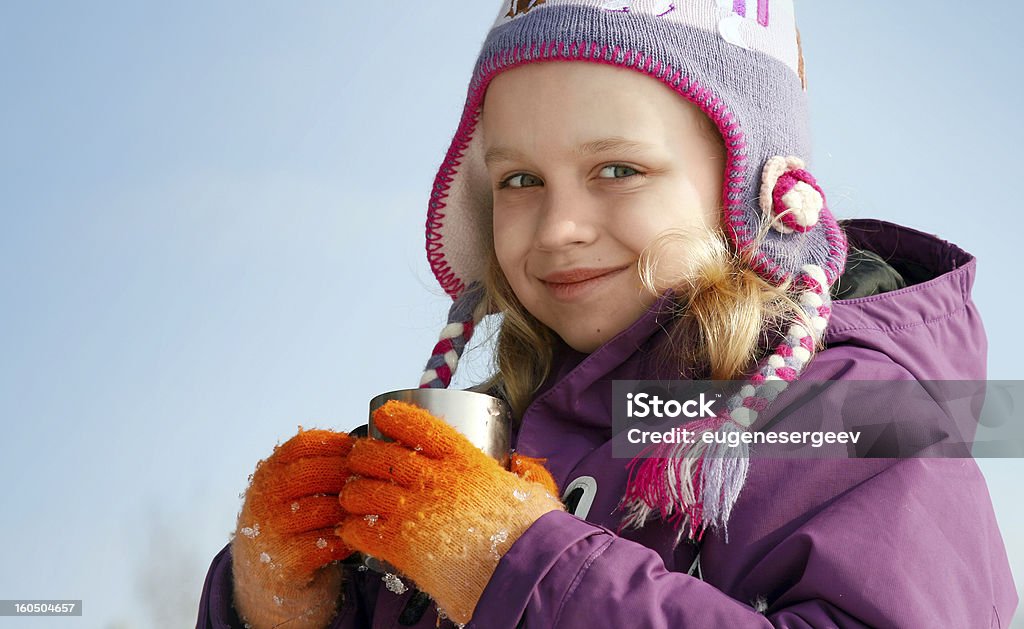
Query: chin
586	337
585	344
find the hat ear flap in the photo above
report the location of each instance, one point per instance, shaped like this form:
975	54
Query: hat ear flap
465	313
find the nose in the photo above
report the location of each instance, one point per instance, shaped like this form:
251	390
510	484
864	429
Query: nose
568	219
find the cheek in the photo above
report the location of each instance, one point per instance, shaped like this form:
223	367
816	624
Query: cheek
675	230
501	238
508	243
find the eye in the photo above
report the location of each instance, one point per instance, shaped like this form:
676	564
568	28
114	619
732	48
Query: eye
520	180
618	171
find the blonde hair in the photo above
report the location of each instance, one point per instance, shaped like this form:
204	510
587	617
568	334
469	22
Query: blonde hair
726	316
524	350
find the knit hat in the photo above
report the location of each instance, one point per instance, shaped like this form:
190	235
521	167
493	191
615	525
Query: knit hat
740	62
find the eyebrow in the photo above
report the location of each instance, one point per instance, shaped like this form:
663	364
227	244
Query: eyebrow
604	145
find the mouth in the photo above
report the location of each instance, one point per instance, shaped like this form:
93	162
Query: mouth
577	283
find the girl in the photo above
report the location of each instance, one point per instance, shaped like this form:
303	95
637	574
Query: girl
628	187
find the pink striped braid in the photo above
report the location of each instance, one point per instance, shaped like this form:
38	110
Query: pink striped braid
465	313
694	486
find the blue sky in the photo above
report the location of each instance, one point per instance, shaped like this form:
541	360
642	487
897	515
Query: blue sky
213	218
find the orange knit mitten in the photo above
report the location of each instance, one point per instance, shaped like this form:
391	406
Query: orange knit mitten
532	469
436	507
285	542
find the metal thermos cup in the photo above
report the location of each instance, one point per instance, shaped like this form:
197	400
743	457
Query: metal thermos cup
483	419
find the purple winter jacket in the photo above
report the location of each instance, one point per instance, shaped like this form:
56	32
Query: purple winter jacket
811	543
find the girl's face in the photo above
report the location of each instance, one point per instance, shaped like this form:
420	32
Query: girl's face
588	165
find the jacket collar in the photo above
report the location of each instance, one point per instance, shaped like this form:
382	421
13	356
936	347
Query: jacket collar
572	414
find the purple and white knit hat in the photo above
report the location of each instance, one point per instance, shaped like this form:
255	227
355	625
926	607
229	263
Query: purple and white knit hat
740	62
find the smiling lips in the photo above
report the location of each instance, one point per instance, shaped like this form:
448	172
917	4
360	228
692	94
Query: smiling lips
575	283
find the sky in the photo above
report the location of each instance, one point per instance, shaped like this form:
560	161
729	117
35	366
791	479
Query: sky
213	233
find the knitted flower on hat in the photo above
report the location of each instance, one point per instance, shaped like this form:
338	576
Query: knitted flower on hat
740	62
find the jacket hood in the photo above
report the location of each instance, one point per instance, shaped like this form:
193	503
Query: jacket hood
931	327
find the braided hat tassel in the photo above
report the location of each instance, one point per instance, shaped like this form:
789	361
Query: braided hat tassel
465	313
696	485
